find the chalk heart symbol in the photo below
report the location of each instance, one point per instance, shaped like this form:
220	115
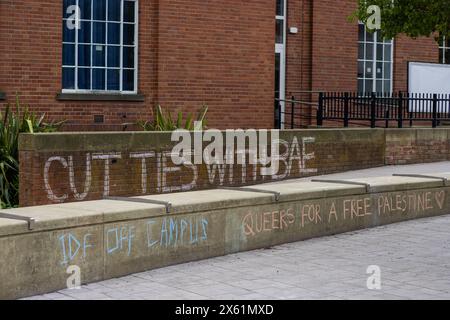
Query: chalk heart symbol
440	199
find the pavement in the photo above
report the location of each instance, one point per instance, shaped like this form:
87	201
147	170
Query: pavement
408	260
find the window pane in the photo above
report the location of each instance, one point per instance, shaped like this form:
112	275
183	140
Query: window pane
68	78
387	70
447	56
369	51
98	56
379	52
99	32
68	34
114	10
369	36
114	57
369	86
361	51
387	86
84	55
379	71
280	7
369	70
360	69
113	80
99	10
128	34
387	52
98	79
84	78
360	86
379	86
66	5
84	33
113	33
128	80
361	32
68	55
85	8
279	32
128	11
128	57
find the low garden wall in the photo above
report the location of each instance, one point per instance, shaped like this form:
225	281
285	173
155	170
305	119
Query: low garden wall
65	167
68	167
105	239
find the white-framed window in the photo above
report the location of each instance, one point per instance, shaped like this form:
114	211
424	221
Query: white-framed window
100	52
375	62
444	51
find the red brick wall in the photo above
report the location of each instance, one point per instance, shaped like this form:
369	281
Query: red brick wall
192	52
304	153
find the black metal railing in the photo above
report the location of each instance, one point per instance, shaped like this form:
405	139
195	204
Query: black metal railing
295	112
370	109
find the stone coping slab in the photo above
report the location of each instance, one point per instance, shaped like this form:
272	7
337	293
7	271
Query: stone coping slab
111	238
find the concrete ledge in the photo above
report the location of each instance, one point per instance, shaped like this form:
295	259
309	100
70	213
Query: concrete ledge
100	97
111	238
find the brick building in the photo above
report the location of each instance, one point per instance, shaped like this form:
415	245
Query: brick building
125	56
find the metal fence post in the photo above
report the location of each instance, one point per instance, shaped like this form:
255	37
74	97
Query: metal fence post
346	115
320	110
400	110
373	110
435	102
292	111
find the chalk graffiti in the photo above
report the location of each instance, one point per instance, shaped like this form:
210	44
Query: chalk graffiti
412	203
165	233
158	170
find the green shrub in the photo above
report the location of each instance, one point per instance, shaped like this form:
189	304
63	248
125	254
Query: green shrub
12	123
166	123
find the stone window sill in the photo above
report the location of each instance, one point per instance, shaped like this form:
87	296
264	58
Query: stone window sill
99	97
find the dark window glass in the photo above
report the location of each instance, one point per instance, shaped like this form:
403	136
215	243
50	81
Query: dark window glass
280	7
447	56
84	78
128	57
113	33
114	57
84	55
85	9
113	79
84	33
99	32
279	31
68	34
98	79
113	10
128	34
128	11
98	55
68	78
128	80
361	32
369	51
68	54
99	10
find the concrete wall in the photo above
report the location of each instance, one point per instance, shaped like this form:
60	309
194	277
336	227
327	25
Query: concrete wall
107	238
67	167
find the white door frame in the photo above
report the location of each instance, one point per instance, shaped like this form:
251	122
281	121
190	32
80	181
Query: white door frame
280	48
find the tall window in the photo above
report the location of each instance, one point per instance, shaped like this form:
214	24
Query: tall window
100	51
374	62
444	51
